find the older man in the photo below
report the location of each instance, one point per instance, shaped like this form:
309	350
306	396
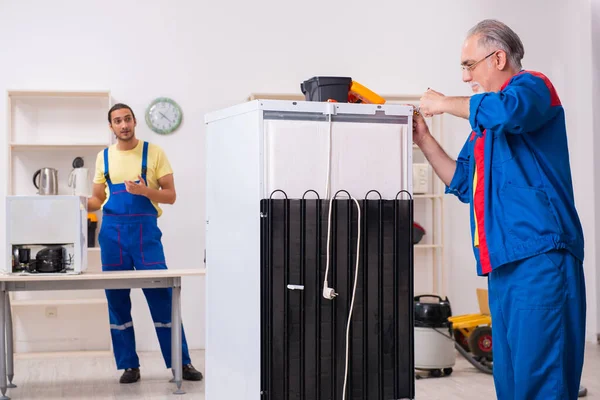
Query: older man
526	234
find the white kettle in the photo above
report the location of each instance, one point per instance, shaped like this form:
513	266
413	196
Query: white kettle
79	182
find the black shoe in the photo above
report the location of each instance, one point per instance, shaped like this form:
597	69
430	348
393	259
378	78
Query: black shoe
130	375
189	373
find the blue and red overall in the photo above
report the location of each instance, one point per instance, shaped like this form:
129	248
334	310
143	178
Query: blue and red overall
527	237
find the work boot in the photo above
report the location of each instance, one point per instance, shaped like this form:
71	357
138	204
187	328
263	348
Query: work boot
189	373
130	375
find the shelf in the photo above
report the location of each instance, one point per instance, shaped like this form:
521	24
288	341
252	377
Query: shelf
66	353
58	302
59	93
59	116
40	146
390	98
50	128
427	246
428	196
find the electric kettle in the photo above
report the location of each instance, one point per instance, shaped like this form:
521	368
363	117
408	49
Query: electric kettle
48	181
79	182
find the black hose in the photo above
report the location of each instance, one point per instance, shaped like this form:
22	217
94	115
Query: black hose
582	389
470	359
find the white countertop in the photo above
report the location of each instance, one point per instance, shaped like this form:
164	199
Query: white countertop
116	275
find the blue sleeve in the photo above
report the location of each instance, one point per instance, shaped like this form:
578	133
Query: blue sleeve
525	105
459	185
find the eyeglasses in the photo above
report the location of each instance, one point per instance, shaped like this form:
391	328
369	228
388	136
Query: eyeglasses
472	66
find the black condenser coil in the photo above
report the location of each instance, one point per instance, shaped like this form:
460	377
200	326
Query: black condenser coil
303	335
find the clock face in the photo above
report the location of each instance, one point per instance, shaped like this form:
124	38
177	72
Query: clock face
163	116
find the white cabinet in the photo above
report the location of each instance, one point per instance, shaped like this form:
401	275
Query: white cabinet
51	129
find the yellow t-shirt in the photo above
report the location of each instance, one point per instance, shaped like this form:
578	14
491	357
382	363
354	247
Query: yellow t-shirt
127	165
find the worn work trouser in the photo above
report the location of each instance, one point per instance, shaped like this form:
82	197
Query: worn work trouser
538	309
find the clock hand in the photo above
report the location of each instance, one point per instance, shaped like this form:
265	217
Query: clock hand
165	117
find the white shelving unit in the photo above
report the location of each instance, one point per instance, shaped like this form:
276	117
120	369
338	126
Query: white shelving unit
429	211
51	129
429	207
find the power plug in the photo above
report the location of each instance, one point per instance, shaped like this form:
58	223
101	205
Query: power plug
328	292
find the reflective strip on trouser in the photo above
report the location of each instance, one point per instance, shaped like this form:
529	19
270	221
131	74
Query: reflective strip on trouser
160	301
122	327
123	337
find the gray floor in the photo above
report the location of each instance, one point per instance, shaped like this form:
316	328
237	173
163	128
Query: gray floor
467	383
93	376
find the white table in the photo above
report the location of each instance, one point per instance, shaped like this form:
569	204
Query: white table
102	280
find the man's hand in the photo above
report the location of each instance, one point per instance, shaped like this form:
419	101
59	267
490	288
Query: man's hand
166	194
98	197
137	188
420	128
432	103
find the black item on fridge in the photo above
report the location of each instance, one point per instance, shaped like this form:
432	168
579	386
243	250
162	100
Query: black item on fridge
50	259
303	335
432	314
323	88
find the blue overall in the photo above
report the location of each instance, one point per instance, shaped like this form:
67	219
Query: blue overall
130	237
514	171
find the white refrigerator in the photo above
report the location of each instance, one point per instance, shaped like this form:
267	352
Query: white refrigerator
266	151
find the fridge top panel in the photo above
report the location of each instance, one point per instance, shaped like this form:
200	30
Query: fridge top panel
317	111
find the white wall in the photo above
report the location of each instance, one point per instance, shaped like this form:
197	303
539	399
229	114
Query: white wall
595	78
571	69
209	55
574	67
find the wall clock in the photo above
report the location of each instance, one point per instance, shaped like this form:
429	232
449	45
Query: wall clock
163	115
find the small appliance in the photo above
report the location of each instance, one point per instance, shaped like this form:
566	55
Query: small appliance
47	184
79	182
434	343
46	234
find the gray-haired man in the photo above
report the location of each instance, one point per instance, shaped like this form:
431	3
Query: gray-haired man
526	234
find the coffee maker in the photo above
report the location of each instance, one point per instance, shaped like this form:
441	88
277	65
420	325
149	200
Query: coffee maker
46	235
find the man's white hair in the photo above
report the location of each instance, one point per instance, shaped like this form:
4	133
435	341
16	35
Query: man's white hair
496	35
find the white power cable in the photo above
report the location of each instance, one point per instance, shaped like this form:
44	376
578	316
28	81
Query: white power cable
329	293
329	156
